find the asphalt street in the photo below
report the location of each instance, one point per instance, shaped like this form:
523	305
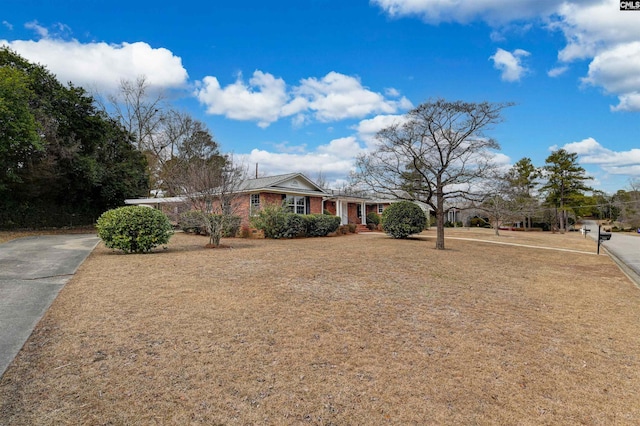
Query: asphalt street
624	248
32	272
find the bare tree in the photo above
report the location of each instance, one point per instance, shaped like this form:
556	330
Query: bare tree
159	129
139	110
437	156
500	200
210	185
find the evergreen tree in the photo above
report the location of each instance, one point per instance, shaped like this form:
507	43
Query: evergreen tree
565	180
74	163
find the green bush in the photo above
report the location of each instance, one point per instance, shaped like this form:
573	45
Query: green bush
373	220
231	226
270	219
276	222
402	219
134	229
320	225
191	221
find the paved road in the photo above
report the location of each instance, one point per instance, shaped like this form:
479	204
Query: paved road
32	272
624	248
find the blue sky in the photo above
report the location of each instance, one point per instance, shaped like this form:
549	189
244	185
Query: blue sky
304	85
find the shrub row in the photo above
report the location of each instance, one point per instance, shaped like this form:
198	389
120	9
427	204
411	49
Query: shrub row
277	223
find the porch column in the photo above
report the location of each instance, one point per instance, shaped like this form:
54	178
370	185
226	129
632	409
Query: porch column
363	209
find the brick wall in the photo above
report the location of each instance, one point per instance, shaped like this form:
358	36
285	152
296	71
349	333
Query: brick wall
315	205
330	206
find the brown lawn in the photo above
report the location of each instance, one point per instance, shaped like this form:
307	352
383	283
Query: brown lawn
358	329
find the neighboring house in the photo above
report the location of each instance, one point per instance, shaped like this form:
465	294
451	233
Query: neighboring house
294	190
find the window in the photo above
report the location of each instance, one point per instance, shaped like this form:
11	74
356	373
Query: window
296	204
255	204
380	208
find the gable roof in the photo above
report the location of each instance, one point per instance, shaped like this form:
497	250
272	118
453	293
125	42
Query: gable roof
279	183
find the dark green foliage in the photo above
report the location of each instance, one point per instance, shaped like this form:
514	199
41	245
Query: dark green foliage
18	129
321	225
373	220
294	226
270	220
565	183
402	219
276	222
134	229
74	166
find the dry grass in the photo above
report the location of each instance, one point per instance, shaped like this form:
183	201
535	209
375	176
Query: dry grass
358	329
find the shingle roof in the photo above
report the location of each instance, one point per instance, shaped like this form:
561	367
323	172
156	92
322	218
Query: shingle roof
270	182
264	182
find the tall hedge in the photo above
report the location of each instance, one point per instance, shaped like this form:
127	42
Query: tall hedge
134	229
402	219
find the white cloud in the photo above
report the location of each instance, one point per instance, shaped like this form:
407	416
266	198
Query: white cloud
266	99
263	99
8	25
334	160
557	71
39	29
102	65
618	71
593	30
492	11
591	27
510	64
367	129
337	96
612	162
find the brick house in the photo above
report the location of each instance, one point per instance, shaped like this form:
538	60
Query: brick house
293	190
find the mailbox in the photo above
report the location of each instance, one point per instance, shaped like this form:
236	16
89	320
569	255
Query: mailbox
605	236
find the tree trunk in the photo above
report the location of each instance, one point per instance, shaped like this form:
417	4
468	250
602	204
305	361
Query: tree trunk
439	221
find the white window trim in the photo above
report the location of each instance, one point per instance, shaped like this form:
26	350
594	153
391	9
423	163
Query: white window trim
295	202
254	208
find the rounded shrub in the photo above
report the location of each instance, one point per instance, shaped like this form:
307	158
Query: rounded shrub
402	219
134	229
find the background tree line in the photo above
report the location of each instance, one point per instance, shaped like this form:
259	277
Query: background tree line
67	156
439	154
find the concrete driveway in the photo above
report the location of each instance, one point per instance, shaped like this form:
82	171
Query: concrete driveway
32	272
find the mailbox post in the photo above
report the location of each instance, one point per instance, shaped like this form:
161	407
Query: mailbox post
602	236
